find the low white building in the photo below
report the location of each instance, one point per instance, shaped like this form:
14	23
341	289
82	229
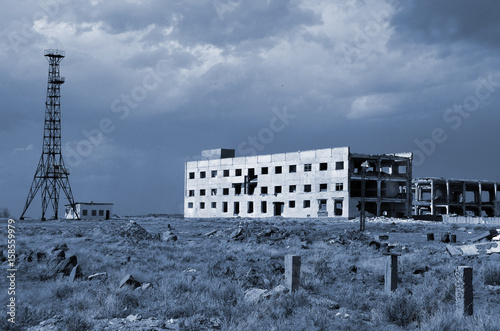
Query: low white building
316	183
90	210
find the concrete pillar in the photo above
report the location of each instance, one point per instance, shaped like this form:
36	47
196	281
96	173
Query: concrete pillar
379	196
292	272
432	197
463	290
480	199
463	198
391	272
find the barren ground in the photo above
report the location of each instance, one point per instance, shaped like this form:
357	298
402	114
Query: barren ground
204	279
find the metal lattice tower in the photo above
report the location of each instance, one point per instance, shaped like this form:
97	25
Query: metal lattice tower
51	174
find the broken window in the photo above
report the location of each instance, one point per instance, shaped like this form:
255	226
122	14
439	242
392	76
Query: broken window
101	212
339	186
322	205
323	187
307	204
237	172
226	173
224	207
190	205
213	191
191	175
214	204
292	188
225	191
278	170
94	212
250	207
291	204
202	192
277	189
307	167
264	170
292	169
236	209
203	174
339	165
191	193
237	188
214	173
263	190
202	205
307	188
323	166
84	212
263	207
338	207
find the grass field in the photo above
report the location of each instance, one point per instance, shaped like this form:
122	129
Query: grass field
199	281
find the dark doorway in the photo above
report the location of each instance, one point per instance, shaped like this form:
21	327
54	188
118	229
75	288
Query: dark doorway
236	208
278	208
107	214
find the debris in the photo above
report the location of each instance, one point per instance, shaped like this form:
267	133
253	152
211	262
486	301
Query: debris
254	295
129	280
238	234
66	266
353	269
99	275
445	238
430	237
420	271
168	236
208	234
75	274
474	249
135	232
40	256
374	244
485	236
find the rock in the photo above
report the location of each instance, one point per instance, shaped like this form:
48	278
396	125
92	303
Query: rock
168	236
374	244
420	271
353	269
97	276
59	254
484	236
254	295
135	232
67	265
145	286
276	292
75	274
130	281
133	318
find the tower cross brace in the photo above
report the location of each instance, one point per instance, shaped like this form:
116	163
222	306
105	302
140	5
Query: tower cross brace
51	174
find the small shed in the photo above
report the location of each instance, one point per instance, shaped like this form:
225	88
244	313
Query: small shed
90	210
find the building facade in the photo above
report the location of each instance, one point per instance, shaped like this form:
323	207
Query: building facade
441	196
317	183
90	210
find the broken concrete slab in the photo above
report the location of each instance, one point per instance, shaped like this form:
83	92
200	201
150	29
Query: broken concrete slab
168	236
99	275
474	249
129	280
484	236
75	274
208	234
67	265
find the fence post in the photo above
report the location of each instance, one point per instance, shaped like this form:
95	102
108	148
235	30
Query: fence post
391	272
292	272
463	290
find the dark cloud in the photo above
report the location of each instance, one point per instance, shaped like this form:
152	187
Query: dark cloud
448	21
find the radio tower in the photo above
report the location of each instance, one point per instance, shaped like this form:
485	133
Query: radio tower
51	174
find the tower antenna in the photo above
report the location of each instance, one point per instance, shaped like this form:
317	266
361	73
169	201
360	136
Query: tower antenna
51	175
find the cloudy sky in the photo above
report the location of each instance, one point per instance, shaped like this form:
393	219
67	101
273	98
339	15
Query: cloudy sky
151	83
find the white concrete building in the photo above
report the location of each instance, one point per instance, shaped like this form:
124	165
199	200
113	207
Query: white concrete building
90	210
324	183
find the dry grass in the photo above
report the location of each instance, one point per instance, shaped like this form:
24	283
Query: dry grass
200	281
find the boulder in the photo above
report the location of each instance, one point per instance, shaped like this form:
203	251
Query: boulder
254	295
168	236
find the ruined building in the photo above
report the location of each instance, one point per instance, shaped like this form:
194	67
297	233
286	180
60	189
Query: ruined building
439	196
325	182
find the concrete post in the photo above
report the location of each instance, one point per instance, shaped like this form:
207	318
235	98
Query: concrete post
463	290
292	272
391	272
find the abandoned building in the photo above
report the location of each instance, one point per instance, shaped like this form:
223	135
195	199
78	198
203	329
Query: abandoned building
440	196
330	182
90	210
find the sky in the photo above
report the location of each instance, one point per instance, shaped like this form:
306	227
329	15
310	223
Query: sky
151	83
